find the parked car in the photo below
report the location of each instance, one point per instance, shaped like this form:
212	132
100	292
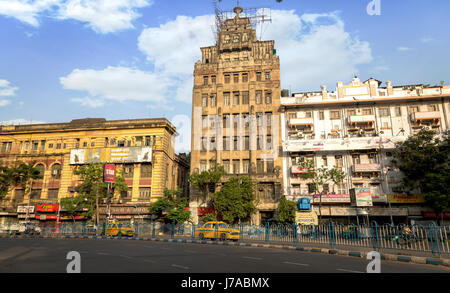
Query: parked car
214	230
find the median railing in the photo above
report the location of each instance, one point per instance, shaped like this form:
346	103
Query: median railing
423	238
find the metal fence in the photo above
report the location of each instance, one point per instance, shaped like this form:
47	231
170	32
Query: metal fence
429	238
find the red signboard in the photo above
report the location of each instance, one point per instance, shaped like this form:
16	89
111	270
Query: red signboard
432	215
204	211
47	208
109	173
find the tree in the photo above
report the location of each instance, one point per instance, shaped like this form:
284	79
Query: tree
13	177
78	205
172	207
424	161
285	213
207	179
319	177
92	188
235	200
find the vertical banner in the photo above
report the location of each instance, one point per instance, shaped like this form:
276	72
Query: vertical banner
109	173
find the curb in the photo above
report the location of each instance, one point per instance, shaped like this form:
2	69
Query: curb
360	254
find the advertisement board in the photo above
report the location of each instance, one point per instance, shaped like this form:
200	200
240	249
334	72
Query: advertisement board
407	199
306	218
332	198
111	155
109	173
25	209
47	208
360	197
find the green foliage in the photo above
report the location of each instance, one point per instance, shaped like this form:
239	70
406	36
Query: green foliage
285	213
320	176
424	160
235	201
209	217
13	177
201	180
78	205
173	205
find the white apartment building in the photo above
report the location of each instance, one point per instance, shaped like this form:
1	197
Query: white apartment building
355	128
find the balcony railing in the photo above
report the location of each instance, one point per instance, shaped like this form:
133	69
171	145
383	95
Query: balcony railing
298	170
432	115
361	119
300	122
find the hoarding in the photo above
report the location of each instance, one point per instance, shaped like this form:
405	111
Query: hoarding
109	173
25	209
408	199
306	218
112	155
47	208
361	197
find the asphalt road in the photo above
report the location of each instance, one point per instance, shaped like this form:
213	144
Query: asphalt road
134	256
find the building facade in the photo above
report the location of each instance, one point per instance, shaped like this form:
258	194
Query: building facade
355	129
143	149
236	111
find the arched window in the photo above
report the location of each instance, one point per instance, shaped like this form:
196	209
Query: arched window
56	171
41	169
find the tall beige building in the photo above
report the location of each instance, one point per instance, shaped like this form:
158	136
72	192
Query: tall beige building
236	112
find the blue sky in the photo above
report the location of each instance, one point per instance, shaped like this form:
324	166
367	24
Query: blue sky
124	59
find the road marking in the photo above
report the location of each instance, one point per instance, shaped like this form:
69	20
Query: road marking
349	271
255	258
181	267
103	253
297	264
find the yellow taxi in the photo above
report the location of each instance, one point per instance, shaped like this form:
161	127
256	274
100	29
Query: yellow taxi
216	230
113	228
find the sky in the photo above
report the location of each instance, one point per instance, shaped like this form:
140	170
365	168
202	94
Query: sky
127	59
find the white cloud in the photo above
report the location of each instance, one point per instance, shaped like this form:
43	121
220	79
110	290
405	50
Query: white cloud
427	40
117	83
21	121
6	90
103	16
403	49
315	49
89	102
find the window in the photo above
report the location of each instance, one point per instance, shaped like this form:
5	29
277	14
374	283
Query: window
226	121
267	75
259	166
35	145
325	188
212	143
146	170
128	171
121	143
19	194
235	98
235	121
321	115
205	100
325	161
244	77
42	145
144	192
226	99
147	141
35	193
398	111
246	143
311	188
245	166
335	115
373	158
269	142
213	100
6	147
205	80
227	78
356	159
258	97
367	111
203	166
236	166
204	143
226	166
245	98
292	115
26	146
77	143
268	97
308	114
56	171
384	112
50	145
236	77
84	144
351	112
258	76
259	142
213	79
58	146
269	119
432	108
53	193
226	143
339	161
41	169
270	166
342	188
236	145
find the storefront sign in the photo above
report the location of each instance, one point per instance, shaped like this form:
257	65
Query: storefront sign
361	197
304	204
47	208
109	173
432	215
125	210
24	216
25	209
306	218
332	198
379	198
204	211
403	198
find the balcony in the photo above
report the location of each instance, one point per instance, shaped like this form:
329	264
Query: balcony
295	180
361	119
432	115
364	168
293	122
298	170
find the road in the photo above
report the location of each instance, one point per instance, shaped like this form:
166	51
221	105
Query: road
135	256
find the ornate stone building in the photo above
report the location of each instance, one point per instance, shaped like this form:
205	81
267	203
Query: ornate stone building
236	112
